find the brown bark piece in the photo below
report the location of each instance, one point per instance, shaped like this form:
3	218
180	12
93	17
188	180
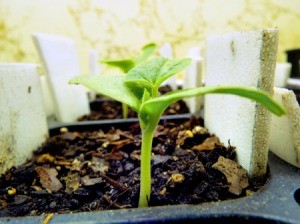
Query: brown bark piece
48	178
208	144
236	175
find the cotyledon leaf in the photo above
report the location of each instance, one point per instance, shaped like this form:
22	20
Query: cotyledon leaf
151	74
147	51
158	105
123	64
112	86
126	64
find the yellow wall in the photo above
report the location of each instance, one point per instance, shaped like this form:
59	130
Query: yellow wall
117	28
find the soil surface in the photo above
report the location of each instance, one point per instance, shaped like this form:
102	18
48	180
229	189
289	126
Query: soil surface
97	170
105	108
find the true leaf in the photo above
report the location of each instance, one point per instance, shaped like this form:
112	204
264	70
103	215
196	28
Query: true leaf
151	74
171	67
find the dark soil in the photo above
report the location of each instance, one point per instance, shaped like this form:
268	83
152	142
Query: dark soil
105	108
90	171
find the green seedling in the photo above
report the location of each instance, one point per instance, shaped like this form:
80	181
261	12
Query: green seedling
139	90
128	63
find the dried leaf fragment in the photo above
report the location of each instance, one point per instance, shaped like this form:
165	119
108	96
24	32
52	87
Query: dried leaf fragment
121	142
236	175
48	178
117	155
183	135
70	135
99	165
3	204
87	181
111	137
76	165
45	158
72	182
208	144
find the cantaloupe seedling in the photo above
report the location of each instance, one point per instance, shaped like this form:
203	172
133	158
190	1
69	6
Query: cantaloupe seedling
139	90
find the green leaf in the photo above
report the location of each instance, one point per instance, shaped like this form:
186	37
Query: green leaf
126	64
147	51
123	64
143	75
171	67
158	105
151	74
112	86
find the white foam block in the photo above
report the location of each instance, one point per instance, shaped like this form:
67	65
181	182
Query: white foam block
47	97
166	51
94	66
61	63
285	130
241	58
193	79
94	69
23	125
194	52
282	74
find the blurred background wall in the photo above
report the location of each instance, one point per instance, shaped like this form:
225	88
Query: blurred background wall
118	28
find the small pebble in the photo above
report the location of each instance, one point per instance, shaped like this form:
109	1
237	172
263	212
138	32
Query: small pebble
200	130
64	130
189	134
11	191
163	191
177	178
45	158
52	204
129	167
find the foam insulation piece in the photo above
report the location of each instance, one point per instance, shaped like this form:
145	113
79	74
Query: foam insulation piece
94	69
167	52
246	58
47	97
193	79
60	60
23	124
282	74
285	130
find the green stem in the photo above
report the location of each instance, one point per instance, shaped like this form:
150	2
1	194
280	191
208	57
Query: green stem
155	92
145	172
124	110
